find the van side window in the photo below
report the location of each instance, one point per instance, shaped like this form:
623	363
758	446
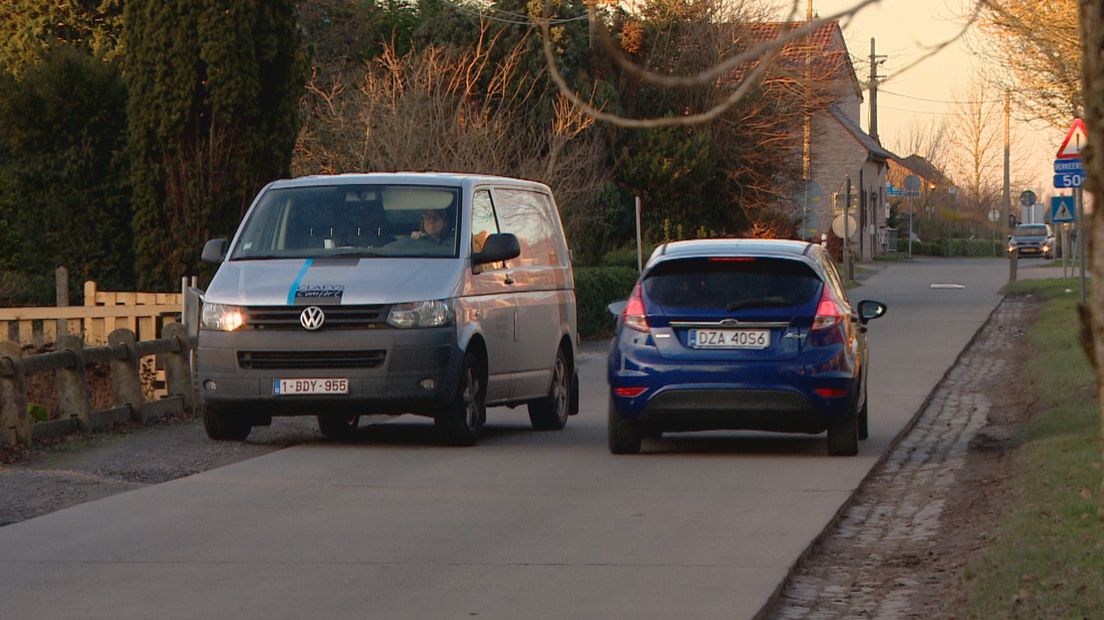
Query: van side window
484	223
526	216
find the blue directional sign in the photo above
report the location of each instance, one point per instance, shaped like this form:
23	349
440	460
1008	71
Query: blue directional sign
1065	180
894	191
1068	166
1062	209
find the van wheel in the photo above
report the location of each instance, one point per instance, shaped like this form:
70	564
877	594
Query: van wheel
624	436
550	413
338	426
224	425
843	439
460	422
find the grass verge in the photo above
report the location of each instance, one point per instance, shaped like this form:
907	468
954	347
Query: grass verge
1048	558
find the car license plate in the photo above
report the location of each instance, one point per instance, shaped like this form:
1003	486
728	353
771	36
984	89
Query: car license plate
729	338
333	385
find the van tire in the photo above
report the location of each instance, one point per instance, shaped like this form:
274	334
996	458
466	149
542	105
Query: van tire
460	422
224	425
843	439
624	436
338	426
550	413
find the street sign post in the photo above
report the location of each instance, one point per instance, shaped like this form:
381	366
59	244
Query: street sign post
1076	139
912	189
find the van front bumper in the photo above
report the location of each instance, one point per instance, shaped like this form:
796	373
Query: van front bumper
389	370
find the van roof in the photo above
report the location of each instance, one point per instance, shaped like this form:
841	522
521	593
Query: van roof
402	178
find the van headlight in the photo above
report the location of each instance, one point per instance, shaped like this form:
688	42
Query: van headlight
221	318
436	313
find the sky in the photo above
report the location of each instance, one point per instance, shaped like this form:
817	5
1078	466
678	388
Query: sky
904	30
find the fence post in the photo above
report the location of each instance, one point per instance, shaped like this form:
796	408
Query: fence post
178	372
61	285
126	382
1013	259
72	383
15	424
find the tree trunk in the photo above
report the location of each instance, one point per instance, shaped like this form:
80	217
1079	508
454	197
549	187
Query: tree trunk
1092	67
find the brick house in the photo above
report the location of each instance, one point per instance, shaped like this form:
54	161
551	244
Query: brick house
839	147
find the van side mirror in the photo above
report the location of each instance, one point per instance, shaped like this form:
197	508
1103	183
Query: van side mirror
497	247
214	251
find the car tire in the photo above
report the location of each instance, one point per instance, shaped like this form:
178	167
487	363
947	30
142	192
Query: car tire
338	426
224	425
550	413
459	424
843	438
624	436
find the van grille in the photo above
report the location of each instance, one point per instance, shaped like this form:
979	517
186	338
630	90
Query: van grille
275	360
337	317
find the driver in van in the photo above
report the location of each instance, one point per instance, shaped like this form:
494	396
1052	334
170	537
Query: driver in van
434	227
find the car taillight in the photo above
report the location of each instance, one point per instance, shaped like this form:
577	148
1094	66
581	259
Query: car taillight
634	311
828	312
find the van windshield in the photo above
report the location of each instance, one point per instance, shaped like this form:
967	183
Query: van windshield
352	220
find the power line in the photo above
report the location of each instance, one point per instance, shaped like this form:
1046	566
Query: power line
984	101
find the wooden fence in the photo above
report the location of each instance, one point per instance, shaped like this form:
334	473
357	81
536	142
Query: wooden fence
120	328
69	364
145	314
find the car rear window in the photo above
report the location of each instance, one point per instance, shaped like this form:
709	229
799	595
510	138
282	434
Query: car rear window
1031	231
731	283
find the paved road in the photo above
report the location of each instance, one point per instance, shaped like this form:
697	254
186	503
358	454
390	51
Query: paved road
535	525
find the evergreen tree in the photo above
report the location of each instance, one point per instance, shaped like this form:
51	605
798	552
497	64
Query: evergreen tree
64	199
213	116
30	28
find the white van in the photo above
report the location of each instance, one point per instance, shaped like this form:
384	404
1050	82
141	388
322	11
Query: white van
431	294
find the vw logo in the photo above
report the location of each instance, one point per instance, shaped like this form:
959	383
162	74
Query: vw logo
312	318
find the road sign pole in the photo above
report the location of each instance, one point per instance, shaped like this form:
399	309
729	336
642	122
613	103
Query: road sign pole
909	199
847	233
1081	238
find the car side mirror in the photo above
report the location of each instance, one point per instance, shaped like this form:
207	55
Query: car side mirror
214	251
617	307
869	310
497	247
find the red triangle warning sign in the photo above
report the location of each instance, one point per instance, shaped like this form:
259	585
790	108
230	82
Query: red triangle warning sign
1076	140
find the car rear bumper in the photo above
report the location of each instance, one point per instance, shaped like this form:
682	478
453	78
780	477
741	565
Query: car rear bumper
699	408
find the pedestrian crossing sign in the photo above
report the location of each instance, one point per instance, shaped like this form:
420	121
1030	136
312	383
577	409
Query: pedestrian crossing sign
1062	209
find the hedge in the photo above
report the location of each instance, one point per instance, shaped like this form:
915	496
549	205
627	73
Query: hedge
596	288
953	247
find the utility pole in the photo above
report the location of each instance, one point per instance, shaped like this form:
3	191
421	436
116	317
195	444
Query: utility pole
875	60
807	128
1007	202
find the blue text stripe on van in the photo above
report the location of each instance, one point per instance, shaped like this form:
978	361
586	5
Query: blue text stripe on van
299	278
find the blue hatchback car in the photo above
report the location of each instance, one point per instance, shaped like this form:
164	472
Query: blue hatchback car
739	334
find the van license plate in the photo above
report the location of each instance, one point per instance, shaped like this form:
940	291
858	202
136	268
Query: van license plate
282	387
729	338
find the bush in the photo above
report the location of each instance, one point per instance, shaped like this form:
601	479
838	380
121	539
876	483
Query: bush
596	288
953	247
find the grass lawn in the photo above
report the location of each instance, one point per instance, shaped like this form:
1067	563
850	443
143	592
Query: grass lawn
1048	558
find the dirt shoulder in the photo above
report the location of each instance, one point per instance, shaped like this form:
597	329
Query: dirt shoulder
900	548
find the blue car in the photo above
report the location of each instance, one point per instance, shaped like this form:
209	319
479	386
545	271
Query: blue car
739	334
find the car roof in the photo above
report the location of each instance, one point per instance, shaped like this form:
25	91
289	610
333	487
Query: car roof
774	248
455	179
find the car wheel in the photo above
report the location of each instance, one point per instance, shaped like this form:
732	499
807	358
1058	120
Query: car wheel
624	436
460	422
224	425
338	426
843	438
550	412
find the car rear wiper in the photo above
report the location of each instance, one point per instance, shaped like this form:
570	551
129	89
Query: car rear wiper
757	302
